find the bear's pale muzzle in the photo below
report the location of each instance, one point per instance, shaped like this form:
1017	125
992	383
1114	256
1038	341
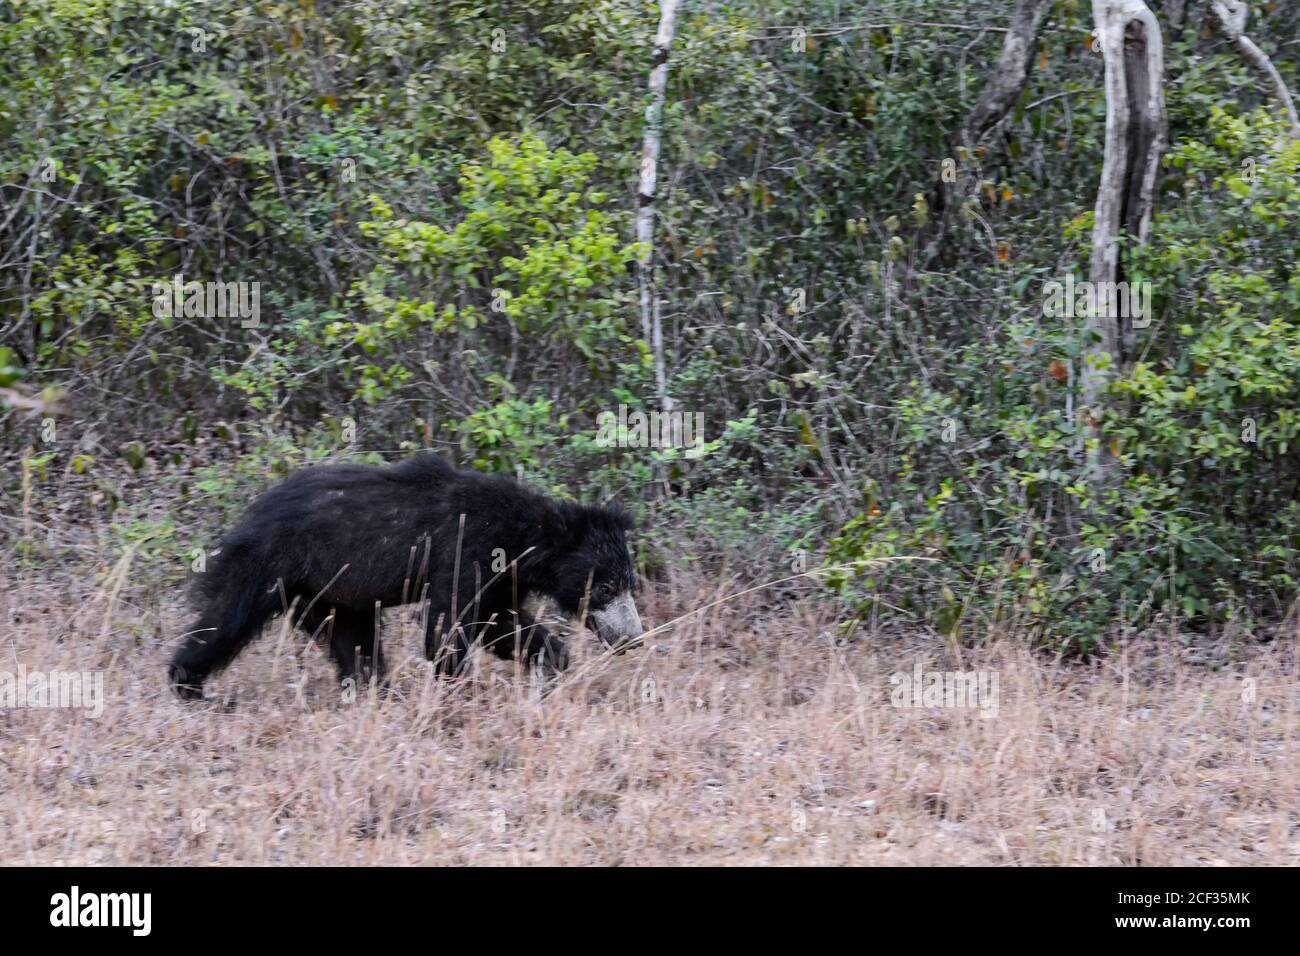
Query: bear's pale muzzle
617	622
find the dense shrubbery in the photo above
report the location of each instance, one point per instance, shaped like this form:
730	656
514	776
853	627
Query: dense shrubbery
438	201
1201	520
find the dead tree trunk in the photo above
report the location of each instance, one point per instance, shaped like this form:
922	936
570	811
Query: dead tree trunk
1232	16
1175	13
1008	79
1130	41
1005	85
651	320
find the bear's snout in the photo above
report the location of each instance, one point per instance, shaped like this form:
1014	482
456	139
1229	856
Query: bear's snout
617	624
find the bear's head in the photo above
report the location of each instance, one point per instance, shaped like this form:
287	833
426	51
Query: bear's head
588	565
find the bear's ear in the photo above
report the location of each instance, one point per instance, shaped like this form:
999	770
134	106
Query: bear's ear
604	518
566	524
618	516
571	522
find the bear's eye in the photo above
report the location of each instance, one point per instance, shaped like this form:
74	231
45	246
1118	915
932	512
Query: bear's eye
602	592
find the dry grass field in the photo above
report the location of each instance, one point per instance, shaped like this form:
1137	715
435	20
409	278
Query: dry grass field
740	735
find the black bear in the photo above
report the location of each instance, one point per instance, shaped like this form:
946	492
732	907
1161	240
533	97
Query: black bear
334	542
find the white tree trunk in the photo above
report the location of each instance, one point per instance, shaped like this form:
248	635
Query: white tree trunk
1232	16
1130	41
651	321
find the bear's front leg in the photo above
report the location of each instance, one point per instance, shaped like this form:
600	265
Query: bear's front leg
445	642
514	634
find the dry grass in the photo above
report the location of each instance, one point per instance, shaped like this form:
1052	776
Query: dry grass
743	735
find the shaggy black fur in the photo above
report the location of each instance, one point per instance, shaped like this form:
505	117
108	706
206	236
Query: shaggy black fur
332	542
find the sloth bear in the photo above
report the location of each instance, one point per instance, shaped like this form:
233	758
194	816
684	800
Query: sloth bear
333	543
